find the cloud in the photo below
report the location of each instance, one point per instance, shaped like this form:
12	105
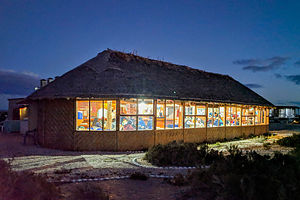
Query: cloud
17	83
4	100
262	65
294	78
278	75
253	85
297	63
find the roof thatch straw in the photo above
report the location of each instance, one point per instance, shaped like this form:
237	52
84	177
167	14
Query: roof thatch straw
116	74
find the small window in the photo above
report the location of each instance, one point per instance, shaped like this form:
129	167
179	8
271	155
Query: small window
189	122
145	106
82	121
178	115
210	119
169	114
97	112
200	122
128	107
110	115
145	123
201	110
128	123
189	108
160	114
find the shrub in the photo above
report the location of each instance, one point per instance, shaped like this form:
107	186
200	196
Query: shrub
87	191
291	141
138	176
24	185
250	176
178	180
181	154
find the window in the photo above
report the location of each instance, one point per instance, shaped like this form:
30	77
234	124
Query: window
195	115
160	114
169	114
83	116
231	116
238	116
178	114
136	114
257	115
110	123
210	117
96	115
248	116
222	116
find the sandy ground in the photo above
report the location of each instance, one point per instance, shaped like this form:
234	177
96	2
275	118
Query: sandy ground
67	165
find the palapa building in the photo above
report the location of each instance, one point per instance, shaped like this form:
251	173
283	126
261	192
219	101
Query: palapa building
118	101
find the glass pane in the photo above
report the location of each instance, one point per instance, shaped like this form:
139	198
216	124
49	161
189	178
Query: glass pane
160	114
189	122
128	107
216	117
96	112
228	115
82	120
169	114
210	118
127	123
233	116
145	106
257	116
110	111
201	110
238	116
178	115
250	120
200	122
244	121
145	123
222	116
189	108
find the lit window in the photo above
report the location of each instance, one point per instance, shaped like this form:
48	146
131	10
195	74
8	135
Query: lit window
233	116
189	108
169	114
82	119
189	122
228	115
128	107
201	109
200	122
127	123
96	113
145	106
210	118
178	114
238	116
160	114
222	116
110	115
145	123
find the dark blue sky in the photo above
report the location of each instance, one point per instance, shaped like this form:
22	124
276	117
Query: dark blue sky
255	42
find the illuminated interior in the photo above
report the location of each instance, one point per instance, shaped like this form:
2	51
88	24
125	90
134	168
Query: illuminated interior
139	115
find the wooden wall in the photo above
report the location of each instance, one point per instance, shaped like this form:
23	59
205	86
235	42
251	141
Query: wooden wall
56	129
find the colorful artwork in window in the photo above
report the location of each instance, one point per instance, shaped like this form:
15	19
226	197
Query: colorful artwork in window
145	106
145	123
169	114
200	109
128	107
238	116
228	115
82	119
110	115
216	116
160	114
200	122
210	117
233	116
257	116
189	122
190	108
127	123
178	115
96	113
222	116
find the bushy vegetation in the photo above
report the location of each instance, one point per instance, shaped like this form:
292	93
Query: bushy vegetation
292	141
24	185
88	191
181	154
238	175
250	176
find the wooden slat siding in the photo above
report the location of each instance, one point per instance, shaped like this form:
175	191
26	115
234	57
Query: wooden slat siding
58	127
40	126
92	141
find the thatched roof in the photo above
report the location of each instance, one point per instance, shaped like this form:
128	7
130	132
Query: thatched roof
116	74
